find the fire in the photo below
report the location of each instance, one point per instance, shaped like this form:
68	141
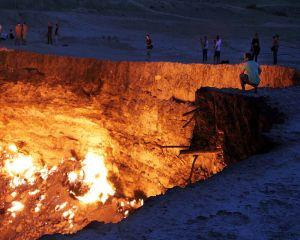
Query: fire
15	207
72	177
22	169
126	207
34	192
60	207
12	147
14	194
88	183
69	215
19	167
95	178
38	207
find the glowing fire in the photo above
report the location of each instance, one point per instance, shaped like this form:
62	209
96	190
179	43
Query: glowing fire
91	177
72	177
95	178
15	207
19	167
69	215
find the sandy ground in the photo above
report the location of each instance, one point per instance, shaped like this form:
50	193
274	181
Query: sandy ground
175	26
255	199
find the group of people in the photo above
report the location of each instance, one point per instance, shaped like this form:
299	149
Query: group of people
217	49
217	44
250	74
204	43
255	48
251	71
19	34
4	35
21	31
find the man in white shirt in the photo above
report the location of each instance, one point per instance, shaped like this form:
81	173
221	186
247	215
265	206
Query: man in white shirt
217	55
250	72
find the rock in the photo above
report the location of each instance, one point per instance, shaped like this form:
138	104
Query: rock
9	198
233	122
19	228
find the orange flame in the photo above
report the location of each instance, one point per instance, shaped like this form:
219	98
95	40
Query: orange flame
95	177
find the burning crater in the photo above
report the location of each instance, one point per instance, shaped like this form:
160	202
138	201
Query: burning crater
84	140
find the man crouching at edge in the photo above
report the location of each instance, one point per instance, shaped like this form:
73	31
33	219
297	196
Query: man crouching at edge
250	73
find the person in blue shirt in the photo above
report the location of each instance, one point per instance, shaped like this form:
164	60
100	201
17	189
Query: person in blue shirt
250	72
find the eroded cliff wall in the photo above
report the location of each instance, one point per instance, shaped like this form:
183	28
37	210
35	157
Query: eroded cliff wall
162	80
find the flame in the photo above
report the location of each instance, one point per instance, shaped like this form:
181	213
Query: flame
72	177
33	192
12	148
15	207
19	167
95	177
14	194
60	206
38	207
91	176
126	207
39	204
69	215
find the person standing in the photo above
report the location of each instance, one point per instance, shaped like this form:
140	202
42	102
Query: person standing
1	33
250	73
50	34
274	48
217	47
255	47
24	32
204	44
18	32
56	33
11	34
149	46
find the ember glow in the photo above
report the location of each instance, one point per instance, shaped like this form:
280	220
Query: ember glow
95	178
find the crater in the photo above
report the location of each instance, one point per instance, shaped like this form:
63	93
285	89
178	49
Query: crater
86	140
